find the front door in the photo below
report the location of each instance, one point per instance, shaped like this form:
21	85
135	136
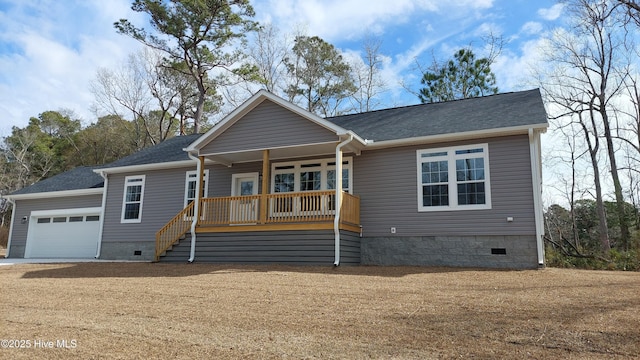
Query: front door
244	204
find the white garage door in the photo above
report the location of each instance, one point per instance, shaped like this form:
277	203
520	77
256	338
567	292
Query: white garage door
69	234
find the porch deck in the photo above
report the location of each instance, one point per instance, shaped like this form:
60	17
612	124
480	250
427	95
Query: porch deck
310	210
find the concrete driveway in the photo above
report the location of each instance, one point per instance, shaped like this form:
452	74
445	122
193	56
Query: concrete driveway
5	261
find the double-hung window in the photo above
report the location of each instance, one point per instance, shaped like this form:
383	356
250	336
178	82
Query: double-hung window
132	199
454	178
190	186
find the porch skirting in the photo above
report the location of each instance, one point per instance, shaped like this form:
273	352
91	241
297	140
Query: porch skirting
303	247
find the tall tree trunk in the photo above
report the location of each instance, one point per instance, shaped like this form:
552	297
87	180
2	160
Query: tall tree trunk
603	230
617	187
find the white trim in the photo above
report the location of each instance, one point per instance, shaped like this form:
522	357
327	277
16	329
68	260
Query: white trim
102	212
13	219
67	212
257	99
254	175
324	168
127	179
452	182
536	178
454	136
56	194
145	167
188	176
267	148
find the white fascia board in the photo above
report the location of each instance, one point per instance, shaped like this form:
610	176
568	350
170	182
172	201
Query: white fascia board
523	129
268	148
56	194
249	105
144	167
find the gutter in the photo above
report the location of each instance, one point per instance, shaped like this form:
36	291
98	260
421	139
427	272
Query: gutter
196	209
104	204
458	136
336	219
536	176
13	218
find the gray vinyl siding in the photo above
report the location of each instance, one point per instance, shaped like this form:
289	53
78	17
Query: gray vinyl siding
313	247
269	126
163	198
220	177
386	181
25	207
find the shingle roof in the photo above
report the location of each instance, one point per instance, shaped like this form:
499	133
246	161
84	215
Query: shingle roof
79	178
83	177
167	151
489	112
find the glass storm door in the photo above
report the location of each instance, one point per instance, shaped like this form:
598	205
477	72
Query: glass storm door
244	204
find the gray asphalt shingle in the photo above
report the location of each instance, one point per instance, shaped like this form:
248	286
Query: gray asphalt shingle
489	112
79	178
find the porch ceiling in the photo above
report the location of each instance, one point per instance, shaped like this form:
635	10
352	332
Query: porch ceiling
298	151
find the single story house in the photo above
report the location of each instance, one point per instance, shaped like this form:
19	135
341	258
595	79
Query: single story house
455	183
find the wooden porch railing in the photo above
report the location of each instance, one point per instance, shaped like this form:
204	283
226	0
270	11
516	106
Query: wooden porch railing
298	207
350	212
282	208
174	230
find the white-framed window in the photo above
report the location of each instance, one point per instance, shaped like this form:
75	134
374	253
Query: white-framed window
190	185
132	199
310	175
454	178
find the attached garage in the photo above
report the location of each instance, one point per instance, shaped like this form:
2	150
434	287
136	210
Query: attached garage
65	233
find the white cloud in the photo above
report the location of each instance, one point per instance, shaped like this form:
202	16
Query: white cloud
49	52
532	28
514	70
551	13
335	20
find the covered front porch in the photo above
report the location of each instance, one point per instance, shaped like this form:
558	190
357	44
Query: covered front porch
273	167
299	211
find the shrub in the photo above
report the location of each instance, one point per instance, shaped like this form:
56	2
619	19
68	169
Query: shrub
618	260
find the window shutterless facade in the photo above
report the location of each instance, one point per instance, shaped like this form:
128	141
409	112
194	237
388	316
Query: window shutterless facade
190	185
132	199
454	178
310	175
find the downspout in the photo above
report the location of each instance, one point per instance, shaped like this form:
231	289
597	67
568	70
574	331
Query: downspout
336	219
536	176
196	208
104	206
13	218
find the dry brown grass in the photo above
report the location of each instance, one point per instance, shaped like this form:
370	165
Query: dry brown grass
198	311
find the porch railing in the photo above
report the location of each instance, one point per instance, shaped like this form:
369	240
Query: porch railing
298	207
174	230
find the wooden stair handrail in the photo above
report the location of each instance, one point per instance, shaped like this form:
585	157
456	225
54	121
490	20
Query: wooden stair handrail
173	230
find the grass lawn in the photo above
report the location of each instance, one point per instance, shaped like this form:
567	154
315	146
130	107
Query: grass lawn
200	311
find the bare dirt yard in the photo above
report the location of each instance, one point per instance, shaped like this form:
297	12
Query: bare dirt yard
199	311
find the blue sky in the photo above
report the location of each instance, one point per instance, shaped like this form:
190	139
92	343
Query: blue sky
50	49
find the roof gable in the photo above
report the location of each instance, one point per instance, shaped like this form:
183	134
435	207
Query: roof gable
267	126
286	116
